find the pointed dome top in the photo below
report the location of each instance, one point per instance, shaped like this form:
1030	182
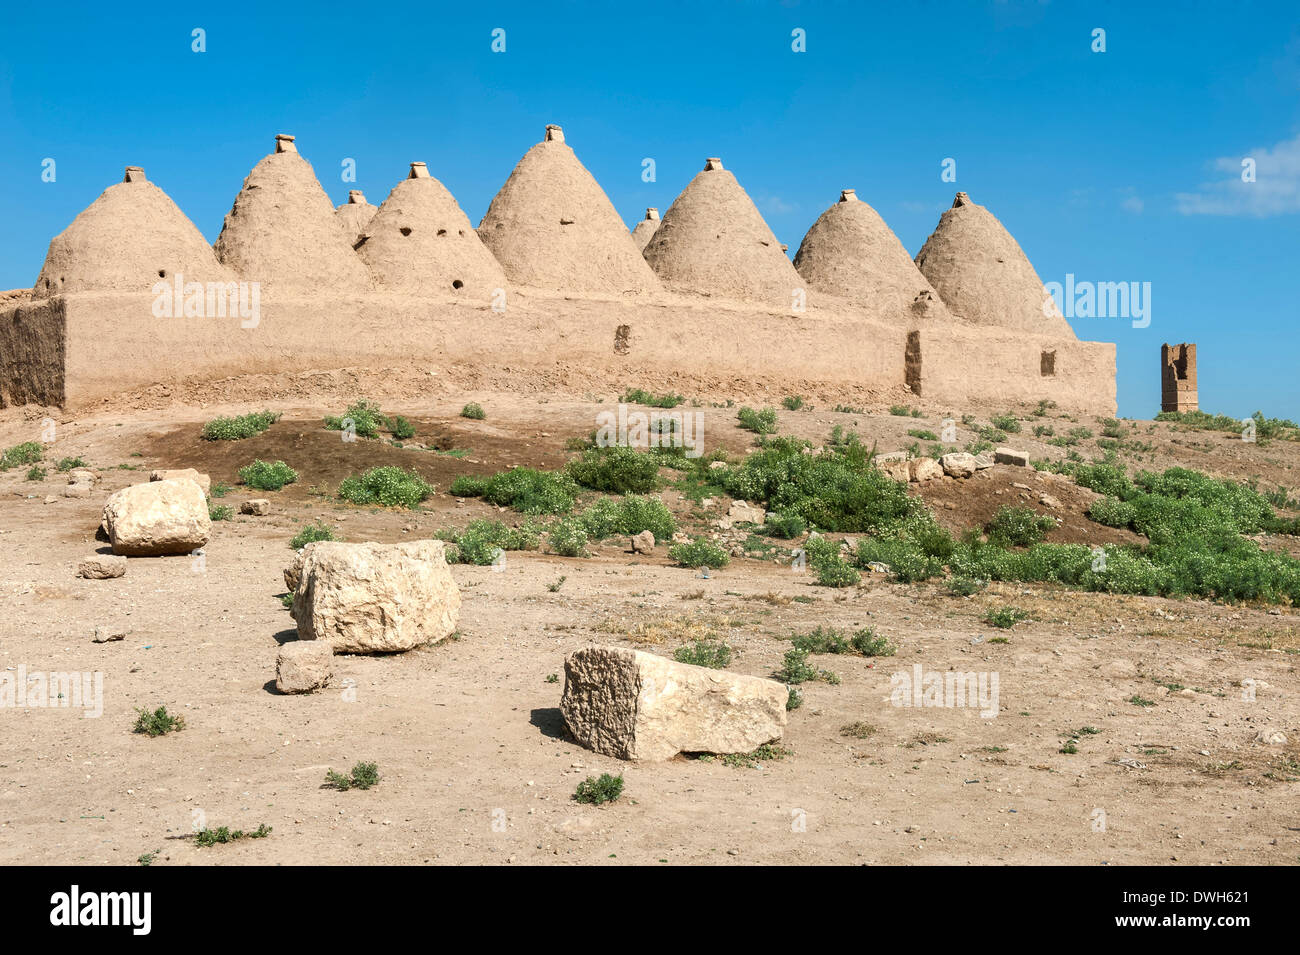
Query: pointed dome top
645	229
354	215
282	231
127	240
851	252
422	243
552	226
714	240
982	274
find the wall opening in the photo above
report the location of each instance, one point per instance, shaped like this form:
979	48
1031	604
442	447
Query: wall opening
912	362
1047	364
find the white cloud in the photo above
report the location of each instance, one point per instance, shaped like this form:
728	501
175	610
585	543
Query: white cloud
1134	205
775	205
1275	191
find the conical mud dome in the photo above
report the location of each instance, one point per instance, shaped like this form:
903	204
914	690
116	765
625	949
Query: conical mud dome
354	215
422	243
646	228
851	252
981	273
552	226
127	240
282	232
713	240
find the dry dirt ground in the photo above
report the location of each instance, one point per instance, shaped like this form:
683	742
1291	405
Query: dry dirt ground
468	736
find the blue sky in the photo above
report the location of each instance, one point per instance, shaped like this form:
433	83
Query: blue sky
1114	166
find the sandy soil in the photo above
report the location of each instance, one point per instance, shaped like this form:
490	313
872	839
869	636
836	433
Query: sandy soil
468	732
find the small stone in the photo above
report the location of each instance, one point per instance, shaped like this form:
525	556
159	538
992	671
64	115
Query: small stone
958	464
165	474
1271	737
258	507
102	567
643	543
303	666
108	636
745	513
924	469
1011	456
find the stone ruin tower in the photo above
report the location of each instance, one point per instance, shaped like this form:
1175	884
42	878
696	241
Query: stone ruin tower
1178	378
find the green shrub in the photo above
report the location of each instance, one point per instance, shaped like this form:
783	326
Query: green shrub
822	640
473	411
400	428
792	402
786	526
907	558
29	452
796	669
1006	422
239	427
840	491
760	422
836	573
923	434
628	515
387	487
206	838
363	776
965	586
1018	527
36	473
157	723
220	489
1112	512
615	470
1005	617
639	396
829	640
714	654
870	644
1265	428
483	541
699	553
220	512
67	464
267	475
524	489
568	538
595	791
310	533
365	417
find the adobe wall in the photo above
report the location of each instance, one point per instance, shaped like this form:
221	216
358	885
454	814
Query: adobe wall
990	368
32	338
115	344
81	349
